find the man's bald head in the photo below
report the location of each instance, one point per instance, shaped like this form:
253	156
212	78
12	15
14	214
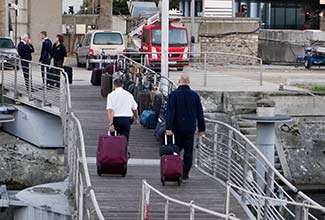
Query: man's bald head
184	80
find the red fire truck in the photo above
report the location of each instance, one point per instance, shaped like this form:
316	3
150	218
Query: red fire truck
178	49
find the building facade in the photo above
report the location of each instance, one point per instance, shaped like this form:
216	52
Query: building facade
274	14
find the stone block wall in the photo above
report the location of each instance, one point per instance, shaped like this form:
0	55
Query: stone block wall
241	44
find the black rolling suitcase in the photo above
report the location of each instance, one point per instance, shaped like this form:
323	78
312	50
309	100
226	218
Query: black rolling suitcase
106	84
69	71
96	77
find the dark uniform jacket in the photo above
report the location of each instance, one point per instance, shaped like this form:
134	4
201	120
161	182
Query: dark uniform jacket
45	57
59	52
25	50
184	111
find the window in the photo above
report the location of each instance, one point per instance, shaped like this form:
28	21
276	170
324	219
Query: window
108	39
145	36
177	37
6	43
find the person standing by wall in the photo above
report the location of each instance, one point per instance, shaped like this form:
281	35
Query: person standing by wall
25	50
122	110
45	57
184	112
59	55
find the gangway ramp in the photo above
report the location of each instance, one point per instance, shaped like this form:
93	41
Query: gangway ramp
120	198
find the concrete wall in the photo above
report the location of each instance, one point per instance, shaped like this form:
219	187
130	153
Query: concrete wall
44	15
3	18
283	46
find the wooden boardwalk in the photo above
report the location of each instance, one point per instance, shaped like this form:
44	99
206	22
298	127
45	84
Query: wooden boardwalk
119	197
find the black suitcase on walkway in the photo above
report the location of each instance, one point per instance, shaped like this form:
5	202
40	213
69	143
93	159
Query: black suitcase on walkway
96	77
69	71
106	84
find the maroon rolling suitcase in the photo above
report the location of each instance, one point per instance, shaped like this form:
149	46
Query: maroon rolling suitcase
112	155
171	167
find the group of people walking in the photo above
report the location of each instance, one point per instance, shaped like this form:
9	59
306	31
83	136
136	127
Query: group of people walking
184	116
49	51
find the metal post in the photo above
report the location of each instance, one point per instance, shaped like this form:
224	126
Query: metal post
143	200
30	81
164	37
227	202
245	162
45	86
261	78
192	213
230	134
2	79
192	21
15	83
166	210
205	69
215	150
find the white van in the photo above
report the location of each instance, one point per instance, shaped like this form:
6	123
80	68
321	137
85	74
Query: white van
99	44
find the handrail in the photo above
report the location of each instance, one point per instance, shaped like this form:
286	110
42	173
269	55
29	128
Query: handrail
79	178
230	157
146	188
282	178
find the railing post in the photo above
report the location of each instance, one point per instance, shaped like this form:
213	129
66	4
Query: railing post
30	81
215	150
192	211
145	203
306	212
2	78
45	85
245	171
15	83
166	209
259	209
205	70
268	191
227	200
261	78
298	209
230	135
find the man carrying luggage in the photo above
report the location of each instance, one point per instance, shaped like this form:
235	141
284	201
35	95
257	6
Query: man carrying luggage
121	109
184	111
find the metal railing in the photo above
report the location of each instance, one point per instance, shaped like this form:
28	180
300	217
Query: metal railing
145	205
52	94
33	83
207	66
228	156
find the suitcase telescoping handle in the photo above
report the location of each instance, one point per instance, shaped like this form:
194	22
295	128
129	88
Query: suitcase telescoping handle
173	139
109	133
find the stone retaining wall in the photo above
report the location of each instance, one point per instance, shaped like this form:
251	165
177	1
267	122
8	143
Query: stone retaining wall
23	165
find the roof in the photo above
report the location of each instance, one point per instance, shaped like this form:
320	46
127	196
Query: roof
154	26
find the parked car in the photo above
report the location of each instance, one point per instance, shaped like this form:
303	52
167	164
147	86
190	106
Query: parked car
97	45
8	51
314	56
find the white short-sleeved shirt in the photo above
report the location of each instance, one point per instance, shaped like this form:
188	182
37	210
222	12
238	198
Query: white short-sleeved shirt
121	102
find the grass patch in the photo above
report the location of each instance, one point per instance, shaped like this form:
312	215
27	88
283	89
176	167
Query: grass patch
316	88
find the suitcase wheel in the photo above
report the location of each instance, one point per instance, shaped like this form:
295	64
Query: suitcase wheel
125	171
163	181
99	172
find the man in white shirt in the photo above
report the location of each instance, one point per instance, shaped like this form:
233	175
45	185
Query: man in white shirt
122	109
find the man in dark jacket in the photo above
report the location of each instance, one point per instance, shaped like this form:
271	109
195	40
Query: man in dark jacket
45	57
184	112
25	50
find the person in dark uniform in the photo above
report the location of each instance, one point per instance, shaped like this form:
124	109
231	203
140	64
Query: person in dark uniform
184	112
45	57
59	55
25	50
